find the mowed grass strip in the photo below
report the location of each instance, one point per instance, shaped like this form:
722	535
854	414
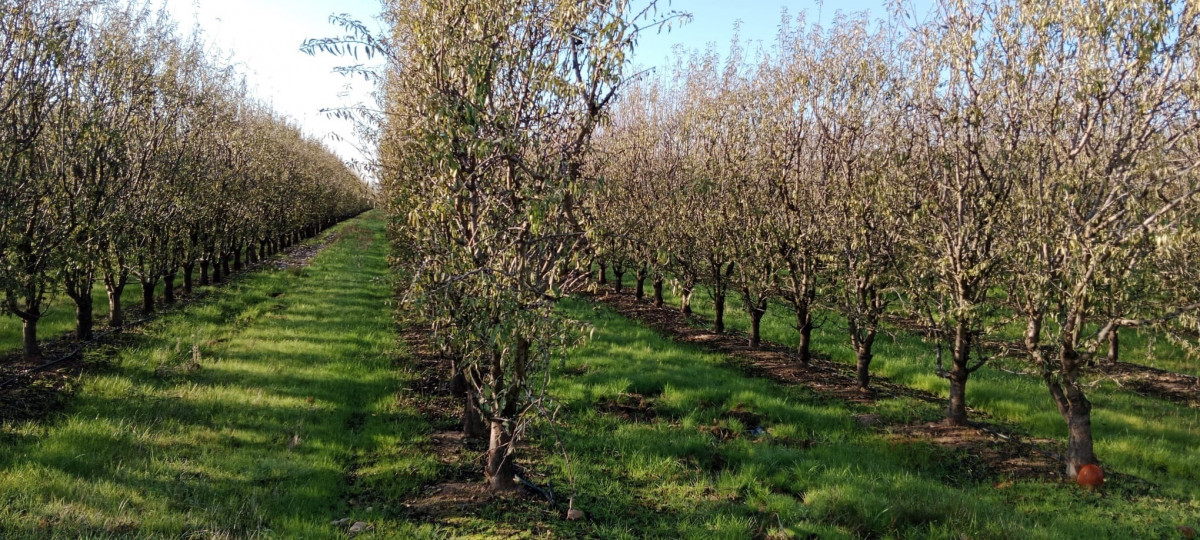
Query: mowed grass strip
243	416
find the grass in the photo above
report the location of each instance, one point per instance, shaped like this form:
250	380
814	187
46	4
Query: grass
244	415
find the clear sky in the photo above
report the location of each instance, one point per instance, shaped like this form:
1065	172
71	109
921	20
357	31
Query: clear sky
263	38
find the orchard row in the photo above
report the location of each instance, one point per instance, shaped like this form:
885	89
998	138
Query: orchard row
128	149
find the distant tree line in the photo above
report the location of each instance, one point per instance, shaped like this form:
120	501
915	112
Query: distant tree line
127	149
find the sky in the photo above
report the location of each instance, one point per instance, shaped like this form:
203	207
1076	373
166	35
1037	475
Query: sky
262	38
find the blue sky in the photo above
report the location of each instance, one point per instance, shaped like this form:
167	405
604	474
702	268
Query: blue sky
713	22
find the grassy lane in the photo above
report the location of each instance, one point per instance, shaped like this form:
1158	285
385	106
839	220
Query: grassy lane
241	416
1144	436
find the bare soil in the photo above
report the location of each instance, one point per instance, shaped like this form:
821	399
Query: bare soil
1148	381
460	491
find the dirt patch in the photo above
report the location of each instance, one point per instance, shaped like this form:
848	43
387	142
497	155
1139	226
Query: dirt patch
628	407
983	452
1148	381
302	255
449	499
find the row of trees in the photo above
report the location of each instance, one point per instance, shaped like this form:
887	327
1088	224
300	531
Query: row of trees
128	150
490	110
1007	160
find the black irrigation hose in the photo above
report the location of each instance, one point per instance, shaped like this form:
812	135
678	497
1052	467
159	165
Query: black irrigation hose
549	495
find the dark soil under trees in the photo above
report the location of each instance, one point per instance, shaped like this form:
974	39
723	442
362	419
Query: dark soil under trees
460	489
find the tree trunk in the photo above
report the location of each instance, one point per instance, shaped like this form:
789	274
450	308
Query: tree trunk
756	316
169	288
956	408
79	288
603	279
864	370
685	301
148	294
187	278
204	272
719	311
658	292
29	343
804	326
618	277
500	469
84	317
1075	408
1113	346
237	258
225	266
114	286
217	273
640	292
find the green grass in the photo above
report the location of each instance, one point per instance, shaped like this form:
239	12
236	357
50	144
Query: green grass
1144	436
814	471
59	314
295	389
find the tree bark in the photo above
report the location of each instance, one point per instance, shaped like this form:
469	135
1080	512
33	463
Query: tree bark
719	313
756	316
79	288
169	288
187	278
30	350
85	319
217	272
863	370
237	258
640	292
956	407
1113	346
500	469
618	278
685	301
225	265
804	326
603	279
148	294
658	292
114	287
204	280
